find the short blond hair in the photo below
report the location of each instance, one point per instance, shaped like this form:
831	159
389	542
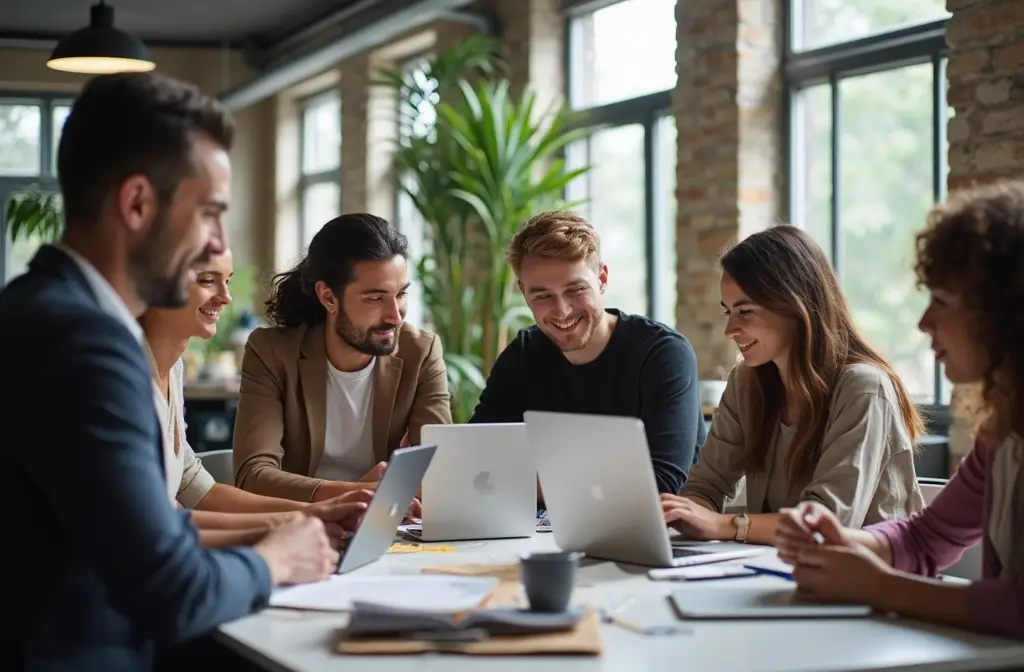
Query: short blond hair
556	234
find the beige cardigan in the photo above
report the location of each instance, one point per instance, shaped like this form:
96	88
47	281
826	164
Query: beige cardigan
865	471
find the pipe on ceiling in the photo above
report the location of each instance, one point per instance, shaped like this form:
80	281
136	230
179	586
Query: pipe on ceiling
294	71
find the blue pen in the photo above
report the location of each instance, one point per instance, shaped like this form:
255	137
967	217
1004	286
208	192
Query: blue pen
781	573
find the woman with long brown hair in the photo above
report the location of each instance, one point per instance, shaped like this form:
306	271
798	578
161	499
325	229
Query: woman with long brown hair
971	258
812	413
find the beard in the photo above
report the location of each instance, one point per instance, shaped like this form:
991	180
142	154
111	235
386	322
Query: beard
157	282
577	339
363	340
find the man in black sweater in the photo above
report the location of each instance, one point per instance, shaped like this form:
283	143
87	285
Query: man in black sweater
583	358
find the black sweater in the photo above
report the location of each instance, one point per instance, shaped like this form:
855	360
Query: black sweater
647	371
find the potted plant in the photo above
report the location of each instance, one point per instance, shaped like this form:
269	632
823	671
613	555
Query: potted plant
477	168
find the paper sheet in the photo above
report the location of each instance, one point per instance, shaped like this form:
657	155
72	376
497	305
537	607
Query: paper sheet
431	592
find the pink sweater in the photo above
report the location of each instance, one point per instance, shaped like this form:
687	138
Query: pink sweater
936	537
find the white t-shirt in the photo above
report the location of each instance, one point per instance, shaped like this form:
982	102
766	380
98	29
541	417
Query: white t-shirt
348	435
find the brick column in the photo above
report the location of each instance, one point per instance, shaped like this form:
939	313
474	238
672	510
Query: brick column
729	153
533	32
986	91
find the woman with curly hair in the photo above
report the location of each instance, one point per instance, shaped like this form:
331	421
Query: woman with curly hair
812	413
970	257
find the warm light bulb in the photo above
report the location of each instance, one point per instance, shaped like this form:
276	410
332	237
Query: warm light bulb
99	65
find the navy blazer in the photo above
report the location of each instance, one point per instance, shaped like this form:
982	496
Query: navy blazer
98	566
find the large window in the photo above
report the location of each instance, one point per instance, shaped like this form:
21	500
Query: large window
30	128
622	72
320	156
867	161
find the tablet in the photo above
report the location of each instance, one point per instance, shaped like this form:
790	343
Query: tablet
756	602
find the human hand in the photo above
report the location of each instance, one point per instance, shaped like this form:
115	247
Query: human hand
375	474
344	511
841	574
807	525
415	510
694	520
298	552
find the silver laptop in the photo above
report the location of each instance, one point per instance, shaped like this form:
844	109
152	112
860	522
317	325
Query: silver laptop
600	492
390	502
481	484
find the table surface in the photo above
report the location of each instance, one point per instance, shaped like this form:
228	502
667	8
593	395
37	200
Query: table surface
294	641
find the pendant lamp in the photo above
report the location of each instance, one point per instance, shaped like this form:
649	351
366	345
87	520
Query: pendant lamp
100	48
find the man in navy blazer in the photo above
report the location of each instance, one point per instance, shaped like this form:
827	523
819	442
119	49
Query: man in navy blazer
99	568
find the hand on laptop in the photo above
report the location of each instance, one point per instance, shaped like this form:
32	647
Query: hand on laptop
695	520
374	475
298	552
344	512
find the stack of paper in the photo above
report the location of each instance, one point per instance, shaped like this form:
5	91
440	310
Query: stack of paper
427	592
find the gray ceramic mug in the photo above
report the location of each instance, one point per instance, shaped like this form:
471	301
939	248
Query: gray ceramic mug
548	579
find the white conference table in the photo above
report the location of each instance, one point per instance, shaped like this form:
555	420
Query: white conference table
292	641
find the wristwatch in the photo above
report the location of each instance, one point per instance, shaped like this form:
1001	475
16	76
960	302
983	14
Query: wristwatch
742	523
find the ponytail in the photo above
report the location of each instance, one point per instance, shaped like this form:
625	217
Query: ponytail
292	302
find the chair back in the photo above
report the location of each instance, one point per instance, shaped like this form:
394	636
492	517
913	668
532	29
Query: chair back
220	464
969	565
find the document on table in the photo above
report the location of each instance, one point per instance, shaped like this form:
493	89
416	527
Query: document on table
433	592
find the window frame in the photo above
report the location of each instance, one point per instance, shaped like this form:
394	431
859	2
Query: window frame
325	176
905	45
46	179
647	111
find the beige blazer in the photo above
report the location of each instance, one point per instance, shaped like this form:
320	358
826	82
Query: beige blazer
281	418
865	471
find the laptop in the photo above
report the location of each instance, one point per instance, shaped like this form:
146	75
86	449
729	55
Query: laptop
395	492
600	492
481	484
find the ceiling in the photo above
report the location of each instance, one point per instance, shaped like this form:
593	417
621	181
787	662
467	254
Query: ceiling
252	23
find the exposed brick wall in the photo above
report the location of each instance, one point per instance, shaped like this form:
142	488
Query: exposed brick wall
355	103
533	33
986	91
728	119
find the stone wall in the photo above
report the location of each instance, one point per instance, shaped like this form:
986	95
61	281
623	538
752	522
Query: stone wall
728	118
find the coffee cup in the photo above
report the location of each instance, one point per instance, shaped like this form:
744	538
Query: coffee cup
548	579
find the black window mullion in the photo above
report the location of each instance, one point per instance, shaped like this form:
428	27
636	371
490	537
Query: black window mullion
938	178
649	215
834	216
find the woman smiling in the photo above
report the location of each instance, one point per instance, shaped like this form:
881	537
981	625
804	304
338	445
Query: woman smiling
224	514
811	414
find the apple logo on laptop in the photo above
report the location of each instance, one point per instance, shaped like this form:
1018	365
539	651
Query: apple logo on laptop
394	511
596	492
483	483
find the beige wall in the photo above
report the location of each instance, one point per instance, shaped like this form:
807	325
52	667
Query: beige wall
24	70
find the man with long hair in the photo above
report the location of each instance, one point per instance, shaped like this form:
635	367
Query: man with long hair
333	388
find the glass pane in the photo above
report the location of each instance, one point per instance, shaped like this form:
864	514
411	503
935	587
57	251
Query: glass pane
321	134
321	203
623	51
614	189
824	22
882	205
60	114
20	131
665	220
812	165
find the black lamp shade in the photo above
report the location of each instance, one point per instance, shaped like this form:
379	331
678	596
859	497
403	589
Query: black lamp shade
100	48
